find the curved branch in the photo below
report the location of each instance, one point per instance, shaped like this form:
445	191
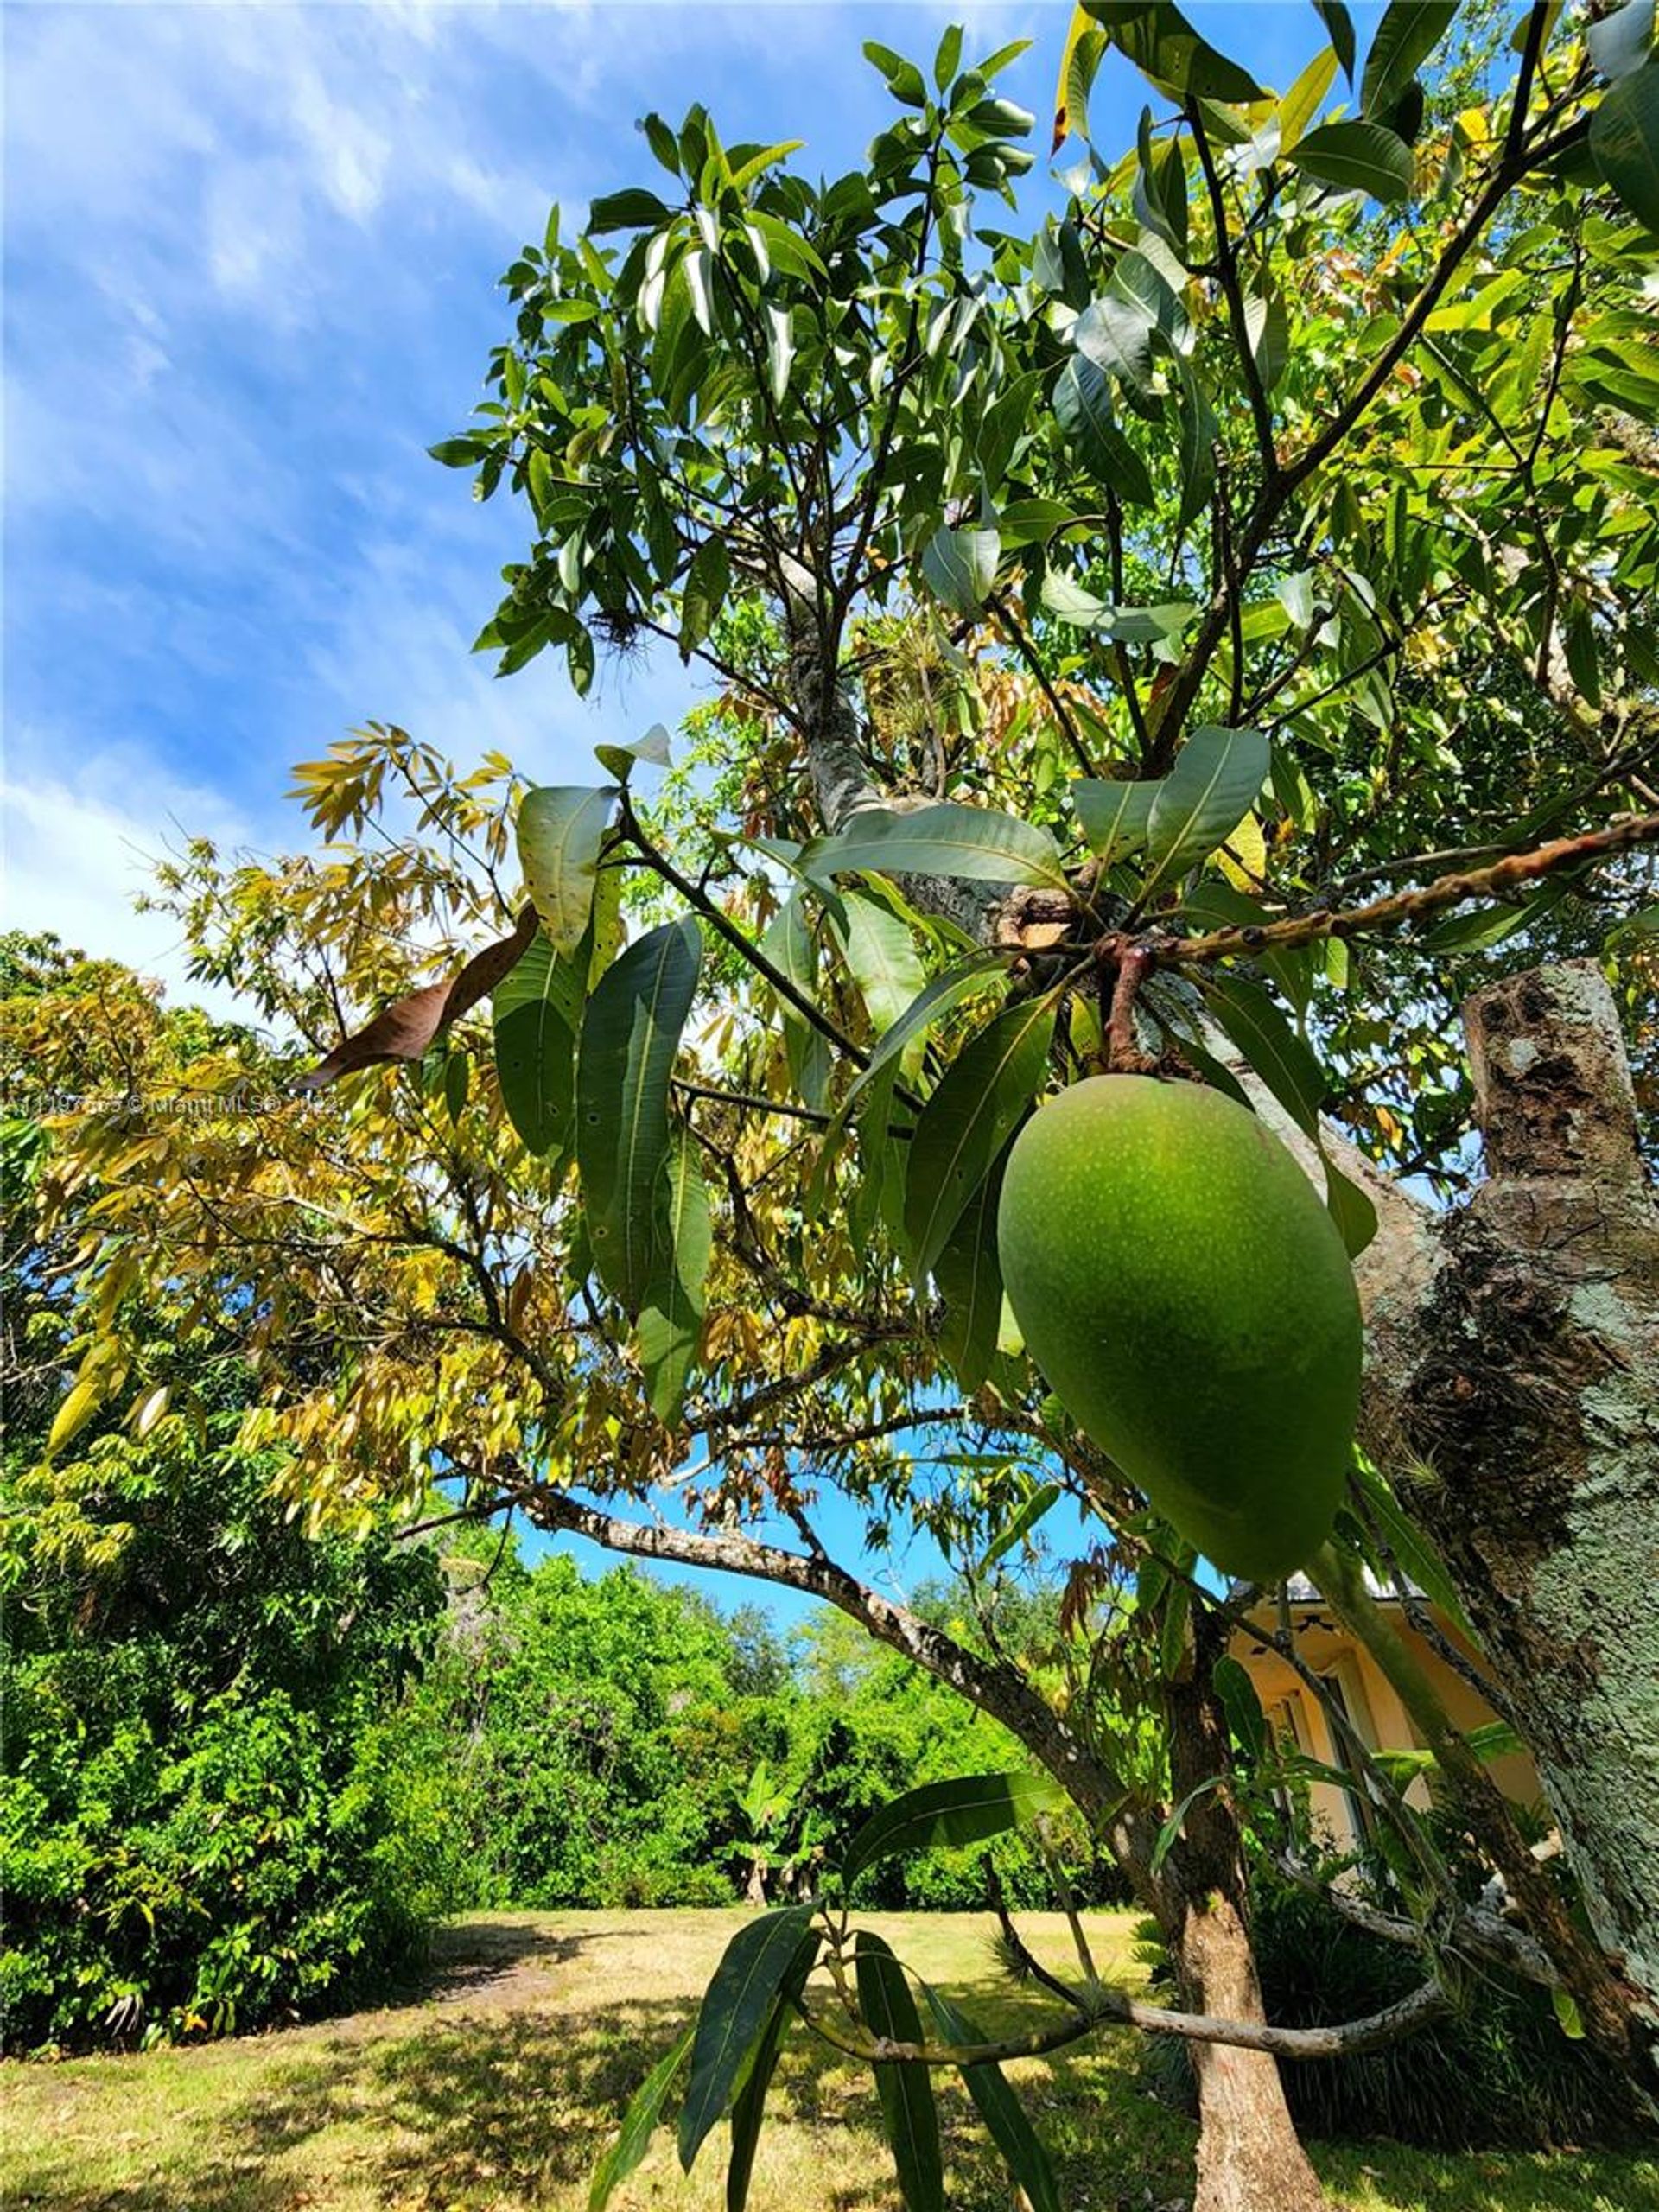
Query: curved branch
1112	2008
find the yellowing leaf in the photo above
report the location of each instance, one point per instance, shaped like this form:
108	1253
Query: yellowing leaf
74	1413
1244	857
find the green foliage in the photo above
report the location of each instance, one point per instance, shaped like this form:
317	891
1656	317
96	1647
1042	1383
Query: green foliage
209	1824
592	1734
617	1741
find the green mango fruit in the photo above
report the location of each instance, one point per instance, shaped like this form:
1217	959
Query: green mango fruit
1190	1302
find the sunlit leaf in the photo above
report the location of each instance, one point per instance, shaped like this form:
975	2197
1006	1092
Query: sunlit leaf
536	1010
736	2009
998	2105
968	841
1357	157
909	2113
639	2122
966	1808
561	832
964	1125
1216	776
960	565
670	1315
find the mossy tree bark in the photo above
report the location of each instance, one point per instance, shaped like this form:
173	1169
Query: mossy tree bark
1515	1360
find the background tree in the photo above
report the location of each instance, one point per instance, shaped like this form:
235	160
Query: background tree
208	1822
1271	551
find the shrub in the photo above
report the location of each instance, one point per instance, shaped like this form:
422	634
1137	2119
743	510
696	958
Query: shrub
210	1822
1498	2073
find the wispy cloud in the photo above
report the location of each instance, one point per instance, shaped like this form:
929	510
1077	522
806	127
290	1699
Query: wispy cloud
251	253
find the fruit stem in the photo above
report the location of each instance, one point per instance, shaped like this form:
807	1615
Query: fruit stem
1124	1055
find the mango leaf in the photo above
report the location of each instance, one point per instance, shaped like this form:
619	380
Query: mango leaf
561	831
1412	1551
960	565
969	1273
737	2008
1348	1206
409	1028
1063	595
904	79
767	157
653	748
966	1808
908	2112
1284	1062
1121	331
1024	1521
1357	157
671	1318
704	594
1623	40
1175	1613
1625	143
1292	1073
1168	1834
1000	2110
788	943
639	2122
780	351
1267	327
1080	62
968	841
1033	522
1339	29
632	210
630	1035
1408	32
1114	816
537	1011
1216	776
1082	408
959	1133
1306	97
882	958
749	2107
957	982
76	1410
1232	1685
1165	48
1200	431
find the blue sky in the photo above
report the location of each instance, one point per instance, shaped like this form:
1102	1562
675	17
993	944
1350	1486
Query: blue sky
250	264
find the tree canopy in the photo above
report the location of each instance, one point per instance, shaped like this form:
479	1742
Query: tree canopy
1184	633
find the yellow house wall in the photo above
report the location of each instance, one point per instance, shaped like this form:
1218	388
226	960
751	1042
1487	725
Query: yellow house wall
1373	1705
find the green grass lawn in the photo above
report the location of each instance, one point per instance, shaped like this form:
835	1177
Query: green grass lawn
497	2085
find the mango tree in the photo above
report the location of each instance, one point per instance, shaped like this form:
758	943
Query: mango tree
1182	640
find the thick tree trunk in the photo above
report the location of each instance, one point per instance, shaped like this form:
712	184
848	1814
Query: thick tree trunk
1522	1373
1249	2156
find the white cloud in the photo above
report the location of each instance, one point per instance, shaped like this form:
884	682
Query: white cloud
75	859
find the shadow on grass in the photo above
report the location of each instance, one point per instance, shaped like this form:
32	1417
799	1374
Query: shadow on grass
479	2109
